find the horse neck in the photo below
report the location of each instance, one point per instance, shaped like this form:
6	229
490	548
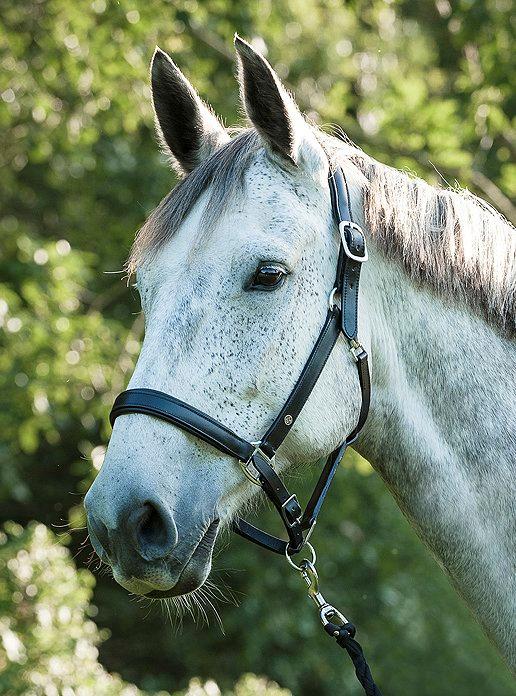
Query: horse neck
441	434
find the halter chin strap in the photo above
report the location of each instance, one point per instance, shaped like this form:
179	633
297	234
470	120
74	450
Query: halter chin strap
257	458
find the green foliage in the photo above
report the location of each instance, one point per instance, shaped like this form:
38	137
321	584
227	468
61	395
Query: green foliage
47	640
59	353
416	85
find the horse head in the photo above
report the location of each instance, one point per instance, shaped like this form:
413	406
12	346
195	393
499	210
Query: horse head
234	270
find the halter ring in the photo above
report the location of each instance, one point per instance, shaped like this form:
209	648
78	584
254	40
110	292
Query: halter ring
332	303
245	465
300	569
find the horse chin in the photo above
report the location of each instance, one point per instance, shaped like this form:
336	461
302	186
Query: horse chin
191	579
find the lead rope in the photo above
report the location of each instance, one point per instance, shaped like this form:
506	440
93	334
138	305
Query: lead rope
343	630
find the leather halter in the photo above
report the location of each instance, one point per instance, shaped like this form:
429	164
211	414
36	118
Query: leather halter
257	458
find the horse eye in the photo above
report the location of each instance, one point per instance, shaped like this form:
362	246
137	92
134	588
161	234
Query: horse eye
268	276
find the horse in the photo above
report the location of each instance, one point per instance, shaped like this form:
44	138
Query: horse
234	269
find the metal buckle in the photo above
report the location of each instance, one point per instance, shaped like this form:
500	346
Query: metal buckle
349	254
254	477
356	349
285	513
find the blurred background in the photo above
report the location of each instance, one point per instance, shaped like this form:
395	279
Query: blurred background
424	86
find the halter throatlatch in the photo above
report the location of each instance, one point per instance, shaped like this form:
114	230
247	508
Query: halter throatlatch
257	458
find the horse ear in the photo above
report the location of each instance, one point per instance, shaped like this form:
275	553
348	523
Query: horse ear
187	128
271	109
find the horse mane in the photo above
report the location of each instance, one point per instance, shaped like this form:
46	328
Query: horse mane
447	239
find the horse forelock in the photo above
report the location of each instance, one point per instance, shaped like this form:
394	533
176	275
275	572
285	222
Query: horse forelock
221	176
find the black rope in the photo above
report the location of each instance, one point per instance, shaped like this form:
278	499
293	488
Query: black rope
345	637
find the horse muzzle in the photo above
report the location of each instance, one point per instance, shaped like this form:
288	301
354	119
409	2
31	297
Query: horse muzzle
196	570
147	554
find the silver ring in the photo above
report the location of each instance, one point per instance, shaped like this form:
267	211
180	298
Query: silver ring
331	299
254	479
245	465
299	568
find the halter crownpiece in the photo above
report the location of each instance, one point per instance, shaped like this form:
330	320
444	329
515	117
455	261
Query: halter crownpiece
257	458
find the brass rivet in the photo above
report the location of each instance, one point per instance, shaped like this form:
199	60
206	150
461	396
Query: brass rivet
288	420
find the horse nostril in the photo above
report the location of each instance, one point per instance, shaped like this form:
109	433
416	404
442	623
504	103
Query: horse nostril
151	527
152	530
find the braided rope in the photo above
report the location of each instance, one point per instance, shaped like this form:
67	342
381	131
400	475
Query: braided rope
345	637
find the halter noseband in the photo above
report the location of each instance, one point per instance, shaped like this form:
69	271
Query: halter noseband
257	458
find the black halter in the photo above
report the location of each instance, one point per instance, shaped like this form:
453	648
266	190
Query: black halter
257	458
